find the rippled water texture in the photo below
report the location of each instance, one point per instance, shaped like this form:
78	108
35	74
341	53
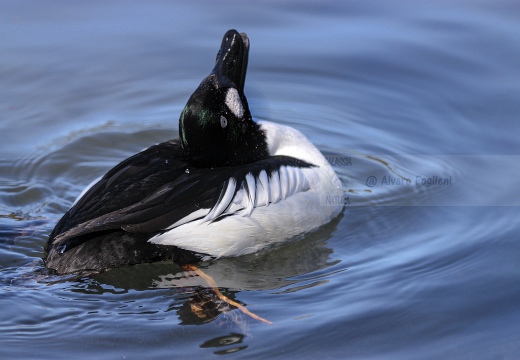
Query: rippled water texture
416	106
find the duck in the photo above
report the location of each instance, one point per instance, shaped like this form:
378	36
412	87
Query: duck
230	185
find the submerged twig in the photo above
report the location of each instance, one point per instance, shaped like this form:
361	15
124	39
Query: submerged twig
211	283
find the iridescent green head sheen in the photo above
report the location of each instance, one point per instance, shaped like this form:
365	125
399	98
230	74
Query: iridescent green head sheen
216	127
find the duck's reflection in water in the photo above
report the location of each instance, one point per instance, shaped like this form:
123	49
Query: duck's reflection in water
289	266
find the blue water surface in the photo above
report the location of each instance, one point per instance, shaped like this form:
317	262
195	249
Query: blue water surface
414	103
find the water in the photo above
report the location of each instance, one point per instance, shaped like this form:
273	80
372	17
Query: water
415	104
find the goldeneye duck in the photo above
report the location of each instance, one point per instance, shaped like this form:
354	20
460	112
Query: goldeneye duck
229	186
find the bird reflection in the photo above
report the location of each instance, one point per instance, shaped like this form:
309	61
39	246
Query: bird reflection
202	306
195	302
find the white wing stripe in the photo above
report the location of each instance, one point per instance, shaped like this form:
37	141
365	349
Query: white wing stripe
251	193
276	191
219	207
262	189
283	182
254	192
291	180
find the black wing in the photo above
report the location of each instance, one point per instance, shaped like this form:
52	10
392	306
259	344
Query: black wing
147	193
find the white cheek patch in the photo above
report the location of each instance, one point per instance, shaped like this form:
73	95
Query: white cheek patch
233	103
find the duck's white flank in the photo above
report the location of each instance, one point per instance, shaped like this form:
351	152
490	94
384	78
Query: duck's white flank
270	209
